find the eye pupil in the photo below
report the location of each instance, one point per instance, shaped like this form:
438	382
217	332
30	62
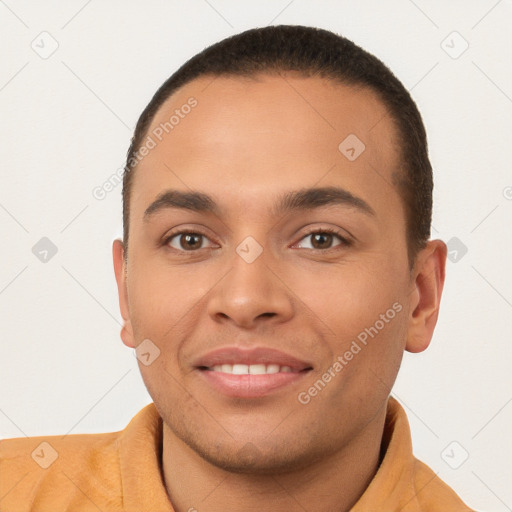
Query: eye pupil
321	240
190	241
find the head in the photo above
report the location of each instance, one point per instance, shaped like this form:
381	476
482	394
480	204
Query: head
278	195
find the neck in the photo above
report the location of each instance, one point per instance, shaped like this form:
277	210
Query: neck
333	483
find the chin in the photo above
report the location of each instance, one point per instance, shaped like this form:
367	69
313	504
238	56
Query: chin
249	459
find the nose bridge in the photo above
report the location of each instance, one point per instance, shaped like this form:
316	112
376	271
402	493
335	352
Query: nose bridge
251	291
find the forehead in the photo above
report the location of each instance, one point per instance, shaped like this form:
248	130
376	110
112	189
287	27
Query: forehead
246	137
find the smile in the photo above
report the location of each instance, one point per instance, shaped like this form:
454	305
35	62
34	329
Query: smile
254	372
252	369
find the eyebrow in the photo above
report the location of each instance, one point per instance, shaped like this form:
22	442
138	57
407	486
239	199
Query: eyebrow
194	201
303	199
310	198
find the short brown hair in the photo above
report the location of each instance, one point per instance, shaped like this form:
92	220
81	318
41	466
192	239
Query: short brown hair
311	52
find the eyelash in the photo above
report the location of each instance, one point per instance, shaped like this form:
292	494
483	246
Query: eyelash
345	242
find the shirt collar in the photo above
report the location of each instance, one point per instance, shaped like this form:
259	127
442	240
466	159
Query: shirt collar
393	486
140	454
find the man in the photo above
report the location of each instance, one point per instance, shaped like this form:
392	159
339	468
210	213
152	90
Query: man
275	264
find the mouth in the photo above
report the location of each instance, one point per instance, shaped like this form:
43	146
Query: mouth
250	373
252	369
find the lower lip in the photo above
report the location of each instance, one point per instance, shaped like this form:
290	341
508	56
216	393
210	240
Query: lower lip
250	386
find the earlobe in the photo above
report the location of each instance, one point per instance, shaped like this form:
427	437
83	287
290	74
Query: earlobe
127	335
121	275
429	276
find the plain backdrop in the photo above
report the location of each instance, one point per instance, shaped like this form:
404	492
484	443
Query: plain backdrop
66	122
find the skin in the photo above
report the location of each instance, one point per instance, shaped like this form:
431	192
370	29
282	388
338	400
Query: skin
245	144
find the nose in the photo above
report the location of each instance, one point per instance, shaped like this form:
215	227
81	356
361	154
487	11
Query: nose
252	294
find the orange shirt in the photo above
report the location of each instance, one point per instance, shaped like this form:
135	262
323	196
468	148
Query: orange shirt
121	471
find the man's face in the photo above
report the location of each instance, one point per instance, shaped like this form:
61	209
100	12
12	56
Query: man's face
254	277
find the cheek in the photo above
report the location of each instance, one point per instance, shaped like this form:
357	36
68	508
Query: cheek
151	301
351	296
362	307
367	352
156	302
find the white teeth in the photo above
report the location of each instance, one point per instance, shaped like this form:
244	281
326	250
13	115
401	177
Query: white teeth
240	369
253	369
272	368
257	369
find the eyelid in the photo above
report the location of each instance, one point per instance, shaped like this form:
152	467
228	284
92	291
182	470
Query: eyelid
186	231
345	238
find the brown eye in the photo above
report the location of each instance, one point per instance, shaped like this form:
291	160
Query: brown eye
186	241
191	241
322	240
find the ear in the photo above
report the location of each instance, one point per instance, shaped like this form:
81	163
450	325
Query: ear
428	281
121	275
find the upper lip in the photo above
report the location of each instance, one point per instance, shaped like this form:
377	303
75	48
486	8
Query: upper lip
255	355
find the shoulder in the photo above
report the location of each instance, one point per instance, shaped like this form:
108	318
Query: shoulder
433	493
420	487
59	471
